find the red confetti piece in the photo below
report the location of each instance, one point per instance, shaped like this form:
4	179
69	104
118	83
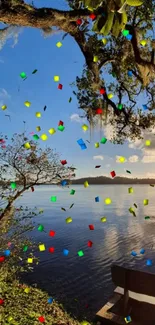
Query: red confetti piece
63	162
61	123
92	16
90	243
99	111
41	319
32	189
1	301
52	233
91	227
2	258
79	21
60	86
102	91
113	174
51	249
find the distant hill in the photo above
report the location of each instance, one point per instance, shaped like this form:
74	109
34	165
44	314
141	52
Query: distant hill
116	180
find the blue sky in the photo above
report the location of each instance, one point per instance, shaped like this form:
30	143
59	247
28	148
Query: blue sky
33	51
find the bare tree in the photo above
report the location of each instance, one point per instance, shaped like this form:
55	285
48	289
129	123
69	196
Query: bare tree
23	165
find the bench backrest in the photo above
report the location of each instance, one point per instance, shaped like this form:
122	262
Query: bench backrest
133	280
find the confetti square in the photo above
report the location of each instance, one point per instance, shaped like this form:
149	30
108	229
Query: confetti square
51	249
80	253
42	247
52	233
91	227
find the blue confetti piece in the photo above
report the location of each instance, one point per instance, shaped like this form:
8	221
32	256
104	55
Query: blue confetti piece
145	107
142	251
50	300
128	318
129	37
133	253
65	252
80	142
130	73
97	199
149	262
83	146
63	183
7	252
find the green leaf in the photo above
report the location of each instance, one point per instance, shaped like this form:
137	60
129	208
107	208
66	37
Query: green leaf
92	3
116	28
134	3
108	25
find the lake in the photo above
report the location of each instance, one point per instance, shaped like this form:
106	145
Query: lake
84	283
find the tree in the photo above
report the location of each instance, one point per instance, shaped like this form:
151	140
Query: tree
23	165
114	57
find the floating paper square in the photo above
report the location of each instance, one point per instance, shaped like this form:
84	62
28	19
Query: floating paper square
95	59
90	243
146	202
13	185
125	32
44	137
4	107
110	96
38	128
80	253
56	78
97	199
130	190
27	104
38	114
65	252
107	200
68	220
27	145
58	44
61	128
86	184
53	198
103	219
127	319
27	290
72	192
84	127
52	233
97	145
103	140
35	137
147	143
23	75
41	228
42	247
30	260
52	131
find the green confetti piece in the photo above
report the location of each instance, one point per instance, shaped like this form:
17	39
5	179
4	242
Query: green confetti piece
61	128
135	205
34	71
23	75
41	228
80	253
120	106
128	171
72	192
13	185
114	75
147	217
35	137
103	140
125	32
70	99
25	248
53	198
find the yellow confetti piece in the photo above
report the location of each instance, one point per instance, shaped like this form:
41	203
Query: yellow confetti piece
56	78
122	159
38	114
104	40
147	143
30	260
97	145
95	59
85	127
27	104
84	323
42	247
27	145
103	219
4	107
52	131
143	42
69	219
44	137
59	44
110	96
146	202
10	318
130	190
107	201
38	128
86	184
27	290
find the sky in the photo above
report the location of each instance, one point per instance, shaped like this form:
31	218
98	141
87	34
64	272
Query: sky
33	51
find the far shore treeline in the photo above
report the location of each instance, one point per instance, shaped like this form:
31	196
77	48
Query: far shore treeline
102	180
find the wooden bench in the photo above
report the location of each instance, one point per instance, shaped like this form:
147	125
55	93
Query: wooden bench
134	296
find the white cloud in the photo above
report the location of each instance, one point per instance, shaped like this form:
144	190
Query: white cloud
133	159
76	118
149	156
98	157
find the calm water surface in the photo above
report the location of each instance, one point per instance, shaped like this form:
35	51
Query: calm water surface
87	279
